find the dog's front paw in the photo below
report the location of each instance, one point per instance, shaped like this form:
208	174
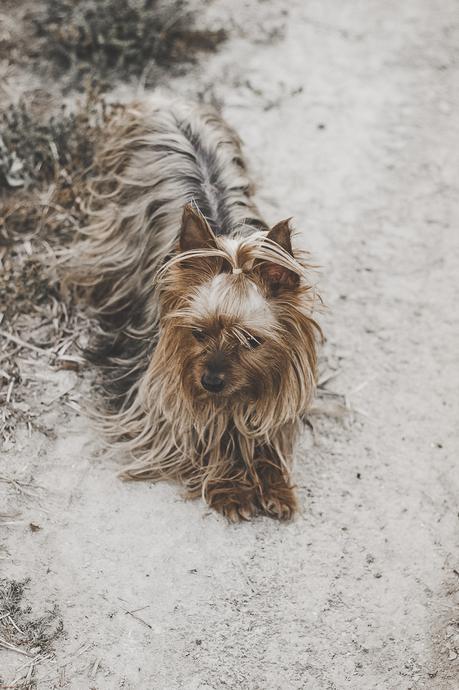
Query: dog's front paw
276	496
280	507
235	503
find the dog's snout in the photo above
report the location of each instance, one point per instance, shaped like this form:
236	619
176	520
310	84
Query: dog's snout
213	381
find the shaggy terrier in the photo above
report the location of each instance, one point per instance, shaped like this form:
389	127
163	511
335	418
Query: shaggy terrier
207	340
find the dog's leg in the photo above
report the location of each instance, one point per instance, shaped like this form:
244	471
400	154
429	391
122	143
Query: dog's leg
276	494
257	480
230	487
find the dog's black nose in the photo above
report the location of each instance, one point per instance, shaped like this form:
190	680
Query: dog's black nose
213	381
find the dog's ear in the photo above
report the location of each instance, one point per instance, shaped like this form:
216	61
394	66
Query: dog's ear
195	232
277	277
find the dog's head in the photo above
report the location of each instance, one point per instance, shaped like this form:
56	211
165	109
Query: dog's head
236	324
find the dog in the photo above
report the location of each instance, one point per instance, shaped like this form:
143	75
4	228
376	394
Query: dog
207	337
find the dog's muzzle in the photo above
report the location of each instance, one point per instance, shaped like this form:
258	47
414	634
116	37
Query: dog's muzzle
213	381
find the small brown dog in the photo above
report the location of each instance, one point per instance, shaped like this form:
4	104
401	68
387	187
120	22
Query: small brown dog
207	339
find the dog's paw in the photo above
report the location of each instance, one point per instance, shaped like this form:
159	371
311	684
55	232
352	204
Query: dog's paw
276	496
280	507
235	504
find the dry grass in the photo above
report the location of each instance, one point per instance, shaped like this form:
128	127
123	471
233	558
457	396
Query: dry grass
29	636
48	159
34	147
109	40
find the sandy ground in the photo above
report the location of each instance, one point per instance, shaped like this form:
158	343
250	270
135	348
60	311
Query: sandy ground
349	118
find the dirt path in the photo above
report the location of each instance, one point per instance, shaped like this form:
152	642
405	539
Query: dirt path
349	118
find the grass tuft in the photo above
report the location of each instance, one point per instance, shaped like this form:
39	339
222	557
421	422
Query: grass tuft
119	39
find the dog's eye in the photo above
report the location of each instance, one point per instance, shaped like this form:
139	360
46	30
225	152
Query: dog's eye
252	341
198	334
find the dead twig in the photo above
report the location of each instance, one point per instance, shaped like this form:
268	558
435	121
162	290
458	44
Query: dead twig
94	668
20	487
23	343
12	648
141	620
31	664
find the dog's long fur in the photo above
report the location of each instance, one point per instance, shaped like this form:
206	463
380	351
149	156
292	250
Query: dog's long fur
150	272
